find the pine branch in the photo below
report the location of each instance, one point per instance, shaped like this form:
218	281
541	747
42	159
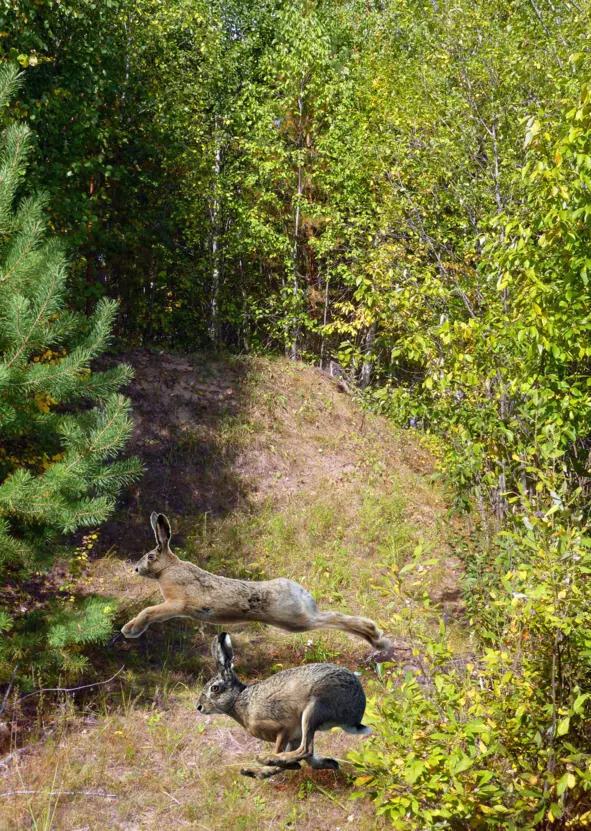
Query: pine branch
10	81
26	337
34	231
101	385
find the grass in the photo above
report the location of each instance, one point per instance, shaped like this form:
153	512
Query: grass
317	491
167	765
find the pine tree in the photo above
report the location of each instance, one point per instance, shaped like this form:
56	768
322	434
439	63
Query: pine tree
62	425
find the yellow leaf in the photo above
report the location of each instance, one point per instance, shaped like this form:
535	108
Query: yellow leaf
363	780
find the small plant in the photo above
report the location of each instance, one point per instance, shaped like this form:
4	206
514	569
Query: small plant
316	653
43	819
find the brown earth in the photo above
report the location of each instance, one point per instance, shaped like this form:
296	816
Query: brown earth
195	418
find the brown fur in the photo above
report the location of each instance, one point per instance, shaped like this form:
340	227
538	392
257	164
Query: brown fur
287	708
191	592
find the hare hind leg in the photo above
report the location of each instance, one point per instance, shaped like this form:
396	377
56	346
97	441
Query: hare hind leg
265	771
311	718
363	627
319	762
323	763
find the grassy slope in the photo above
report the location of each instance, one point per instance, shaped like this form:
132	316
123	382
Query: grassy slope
265	469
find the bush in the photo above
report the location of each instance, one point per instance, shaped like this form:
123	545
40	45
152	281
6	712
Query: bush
502	740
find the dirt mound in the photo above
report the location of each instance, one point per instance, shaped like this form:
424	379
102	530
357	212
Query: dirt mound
217	434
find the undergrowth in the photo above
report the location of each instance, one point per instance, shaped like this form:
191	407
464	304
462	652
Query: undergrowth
500	741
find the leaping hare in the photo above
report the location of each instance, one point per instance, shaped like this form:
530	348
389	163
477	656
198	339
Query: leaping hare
287	708
191	592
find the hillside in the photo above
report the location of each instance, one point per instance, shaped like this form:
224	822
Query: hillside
265	468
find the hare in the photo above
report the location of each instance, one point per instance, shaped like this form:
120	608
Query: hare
287	708
191	592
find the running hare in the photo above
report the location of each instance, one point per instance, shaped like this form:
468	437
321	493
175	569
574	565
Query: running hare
189	591
287	708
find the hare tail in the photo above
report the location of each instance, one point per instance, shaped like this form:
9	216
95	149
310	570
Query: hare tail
357	730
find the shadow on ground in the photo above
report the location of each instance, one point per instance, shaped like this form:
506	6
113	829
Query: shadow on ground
181	406
185	410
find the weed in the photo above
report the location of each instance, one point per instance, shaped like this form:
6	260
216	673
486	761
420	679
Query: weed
316	653
290	819
305	789
41	818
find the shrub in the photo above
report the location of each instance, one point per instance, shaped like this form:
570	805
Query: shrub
499	741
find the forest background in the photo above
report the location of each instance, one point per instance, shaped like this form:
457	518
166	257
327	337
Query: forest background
401	187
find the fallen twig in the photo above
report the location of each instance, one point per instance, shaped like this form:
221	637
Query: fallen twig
61	793
170	796
70	689
4	761
330	796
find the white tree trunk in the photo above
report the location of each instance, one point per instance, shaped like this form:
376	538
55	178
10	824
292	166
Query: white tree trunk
296	230
213	328
366	367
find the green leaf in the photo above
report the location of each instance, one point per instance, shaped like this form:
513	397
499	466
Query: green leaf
563	726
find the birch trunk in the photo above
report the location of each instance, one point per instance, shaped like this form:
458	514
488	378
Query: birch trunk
296	230
213	328
366	367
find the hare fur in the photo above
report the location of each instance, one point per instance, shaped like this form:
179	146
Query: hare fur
287	708
191	592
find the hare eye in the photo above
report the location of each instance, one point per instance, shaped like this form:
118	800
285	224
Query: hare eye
150	556
216	688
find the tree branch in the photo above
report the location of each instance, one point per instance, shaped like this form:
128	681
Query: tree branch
70	689
61	793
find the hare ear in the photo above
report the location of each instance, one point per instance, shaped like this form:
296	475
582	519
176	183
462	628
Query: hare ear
161	527
153	518
222	652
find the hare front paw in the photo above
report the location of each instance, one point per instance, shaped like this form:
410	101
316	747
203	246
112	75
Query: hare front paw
129	630
259	773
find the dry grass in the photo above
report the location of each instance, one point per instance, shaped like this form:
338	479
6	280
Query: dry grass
265	469
170	768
